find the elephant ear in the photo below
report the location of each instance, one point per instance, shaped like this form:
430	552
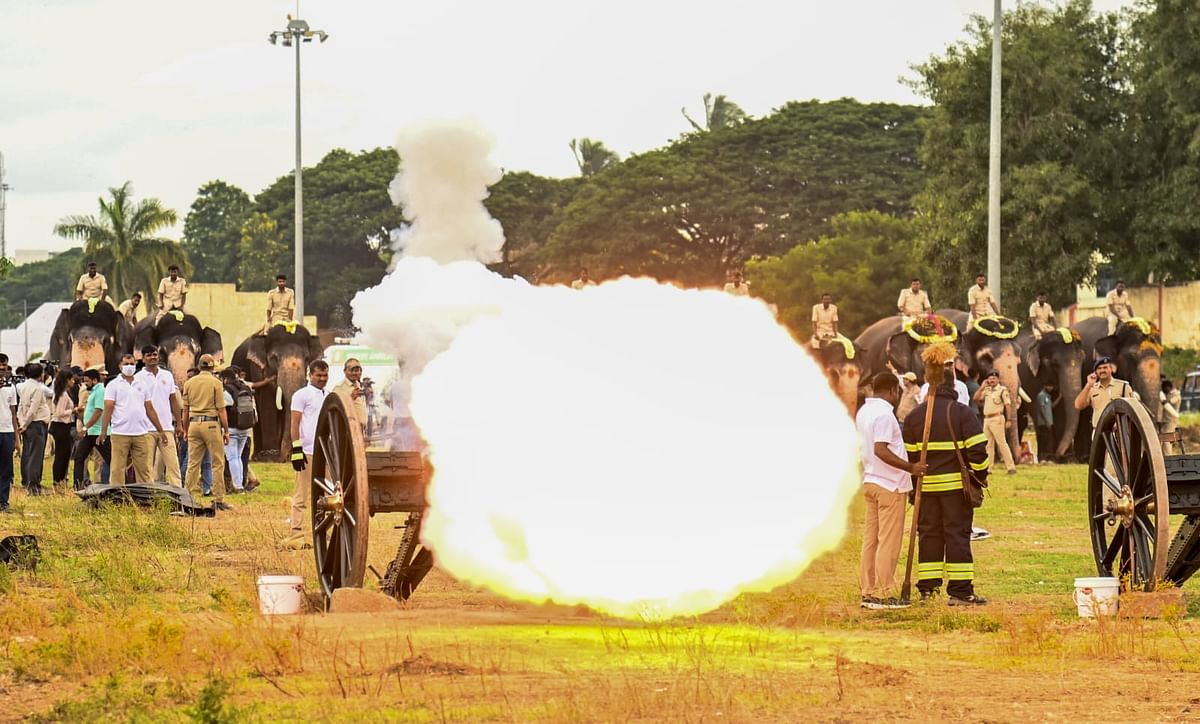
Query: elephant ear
1033	358
899	351
315	350
1106	347
124	337
145	333
251	356
210	343
60	338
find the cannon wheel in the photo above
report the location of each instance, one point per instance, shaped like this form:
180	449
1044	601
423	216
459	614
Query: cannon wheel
340	504
1127	497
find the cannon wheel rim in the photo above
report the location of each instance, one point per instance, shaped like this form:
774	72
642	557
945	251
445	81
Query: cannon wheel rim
339	472
1133	495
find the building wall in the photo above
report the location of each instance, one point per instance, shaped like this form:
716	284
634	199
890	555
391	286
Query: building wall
236	315
1179	320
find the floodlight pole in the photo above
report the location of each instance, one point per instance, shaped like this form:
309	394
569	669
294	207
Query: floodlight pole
993	249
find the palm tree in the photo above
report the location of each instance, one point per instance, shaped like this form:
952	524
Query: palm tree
719	112
123	241
592	156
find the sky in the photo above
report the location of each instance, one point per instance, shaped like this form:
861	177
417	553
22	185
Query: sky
170	95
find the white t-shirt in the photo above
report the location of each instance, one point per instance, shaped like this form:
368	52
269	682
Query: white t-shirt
307	401
876	422
161	387
8	400
960	389
129	411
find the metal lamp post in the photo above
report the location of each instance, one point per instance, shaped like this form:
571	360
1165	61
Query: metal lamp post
993	249
296	33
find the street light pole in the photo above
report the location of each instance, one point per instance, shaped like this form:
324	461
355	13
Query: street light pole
993	251
297	32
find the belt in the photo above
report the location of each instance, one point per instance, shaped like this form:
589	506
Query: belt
994	414
203	418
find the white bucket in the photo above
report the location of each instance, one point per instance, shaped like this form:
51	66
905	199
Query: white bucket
280	594
1096	596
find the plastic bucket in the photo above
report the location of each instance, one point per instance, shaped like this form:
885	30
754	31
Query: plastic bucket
1096	596
280	594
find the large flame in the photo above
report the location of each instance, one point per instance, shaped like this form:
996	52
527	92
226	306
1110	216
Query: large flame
643	449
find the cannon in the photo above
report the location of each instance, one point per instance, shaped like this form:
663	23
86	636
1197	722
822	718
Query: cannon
353	481
1133	491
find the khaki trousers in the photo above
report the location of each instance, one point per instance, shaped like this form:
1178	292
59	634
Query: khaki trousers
881	540
997	437
300	495
135	450
166	461
206	436
1113	322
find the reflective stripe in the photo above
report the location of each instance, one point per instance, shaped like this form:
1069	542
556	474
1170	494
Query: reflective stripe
980	439
930	571
941	483
947	446
960	571
980	466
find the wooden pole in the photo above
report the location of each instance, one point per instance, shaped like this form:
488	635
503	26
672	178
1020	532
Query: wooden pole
906	591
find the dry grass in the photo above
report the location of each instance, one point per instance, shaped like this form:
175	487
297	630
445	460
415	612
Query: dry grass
136	615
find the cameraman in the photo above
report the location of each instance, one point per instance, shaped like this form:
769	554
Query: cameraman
355	391
33	419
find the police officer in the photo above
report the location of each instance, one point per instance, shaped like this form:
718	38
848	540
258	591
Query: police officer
980	300
1041	316
1101	388
996	401
913	302
206	427
944	523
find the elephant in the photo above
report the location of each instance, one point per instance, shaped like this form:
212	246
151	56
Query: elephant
1058	358
842	361
885	342
89	333
180	340
991	344
281	356
1136	350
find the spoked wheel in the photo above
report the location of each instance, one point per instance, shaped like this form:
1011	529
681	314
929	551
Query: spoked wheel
1127	497
340	505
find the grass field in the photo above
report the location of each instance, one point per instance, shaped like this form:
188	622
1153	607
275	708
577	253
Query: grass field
135	615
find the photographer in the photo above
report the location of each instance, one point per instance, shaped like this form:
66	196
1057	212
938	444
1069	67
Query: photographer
356	392
33	419
8	431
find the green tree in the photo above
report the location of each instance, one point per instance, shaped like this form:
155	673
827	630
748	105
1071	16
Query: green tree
32	285
212	231
1064	95
346	204
863	264
710	201
528	206
719	112
592	156
258	252
124	242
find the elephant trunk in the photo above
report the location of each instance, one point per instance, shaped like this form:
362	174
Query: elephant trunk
180	357
88	348
290	377
846	378
1069	386
1148	383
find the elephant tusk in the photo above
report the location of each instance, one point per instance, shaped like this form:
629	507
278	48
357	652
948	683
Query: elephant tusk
278	398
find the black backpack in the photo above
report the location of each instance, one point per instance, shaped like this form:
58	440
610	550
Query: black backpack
243	414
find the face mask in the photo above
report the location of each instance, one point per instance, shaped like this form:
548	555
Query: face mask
128	370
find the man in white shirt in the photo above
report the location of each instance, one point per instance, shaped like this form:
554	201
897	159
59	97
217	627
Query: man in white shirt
886	483
164	395
960	388
129	417
8	431
33	419
306	404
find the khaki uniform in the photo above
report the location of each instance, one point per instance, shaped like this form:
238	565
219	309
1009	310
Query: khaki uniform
913	304
172	293
204	396
979	303
738	290
1100	395
823	319
128	311
580	284
1124	310
281	306
92	287
995	402
1041	316
358	407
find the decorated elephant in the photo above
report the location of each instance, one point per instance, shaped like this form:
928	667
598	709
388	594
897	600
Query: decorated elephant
1057	359
1136	350
88	333
842	361
889	342
280	359
180	340
990	344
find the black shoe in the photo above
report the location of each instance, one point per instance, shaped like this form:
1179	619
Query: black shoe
971	600
869	602
892	604
221	505
927	596
207	495
5	509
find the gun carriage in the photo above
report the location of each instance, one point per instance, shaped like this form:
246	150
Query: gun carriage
352	480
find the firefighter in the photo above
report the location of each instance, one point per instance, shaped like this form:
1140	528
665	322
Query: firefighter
945	518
